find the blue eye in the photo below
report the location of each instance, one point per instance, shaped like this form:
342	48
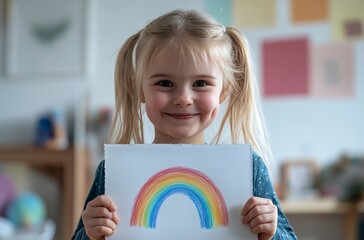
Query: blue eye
164	83
200	83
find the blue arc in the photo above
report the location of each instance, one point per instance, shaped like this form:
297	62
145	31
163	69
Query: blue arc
192	193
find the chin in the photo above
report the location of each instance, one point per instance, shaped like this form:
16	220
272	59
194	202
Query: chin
187	139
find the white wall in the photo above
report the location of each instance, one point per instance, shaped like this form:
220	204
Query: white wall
299	126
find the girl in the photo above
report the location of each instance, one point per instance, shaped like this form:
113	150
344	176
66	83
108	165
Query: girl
180	68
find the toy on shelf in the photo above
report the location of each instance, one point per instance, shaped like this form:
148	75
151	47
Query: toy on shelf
23	216
27	211
51	131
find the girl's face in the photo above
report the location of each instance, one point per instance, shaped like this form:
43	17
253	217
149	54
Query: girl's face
181	98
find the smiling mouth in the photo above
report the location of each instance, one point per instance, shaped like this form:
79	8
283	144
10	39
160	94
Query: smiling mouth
182	116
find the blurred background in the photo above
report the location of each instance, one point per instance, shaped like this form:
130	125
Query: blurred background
56	102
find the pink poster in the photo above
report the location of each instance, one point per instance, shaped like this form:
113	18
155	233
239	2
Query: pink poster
286	67
332	70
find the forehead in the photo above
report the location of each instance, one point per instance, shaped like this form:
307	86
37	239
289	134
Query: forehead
181	66
183	56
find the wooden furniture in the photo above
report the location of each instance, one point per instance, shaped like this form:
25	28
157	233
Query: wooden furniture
350	211
71	167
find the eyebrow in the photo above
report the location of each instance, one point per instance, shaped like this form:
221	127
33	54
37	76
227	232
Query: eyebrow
170	76
160	76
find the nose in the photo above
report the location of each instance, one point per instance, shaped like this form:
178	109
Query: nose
183	98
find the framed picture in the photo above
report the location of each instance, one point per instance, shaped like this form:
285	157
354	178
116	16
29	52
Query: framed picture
46	38
299	179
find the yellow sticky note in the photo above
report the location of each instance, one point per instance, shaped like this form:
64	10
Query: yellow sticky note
254	13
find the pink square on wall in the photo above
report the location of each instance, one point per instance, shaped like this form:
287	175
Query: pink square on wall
332	70
285	67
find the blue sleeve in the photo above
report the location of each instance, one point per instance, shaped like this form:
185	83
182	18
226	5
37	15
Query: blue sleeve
262	187
97	188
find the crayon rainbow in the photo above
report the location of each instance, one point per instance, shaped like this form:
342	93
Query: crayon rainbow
195	185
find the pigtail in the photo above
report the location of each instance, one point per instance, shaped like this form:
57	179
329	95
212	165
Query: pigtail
127	124
243	108
241	96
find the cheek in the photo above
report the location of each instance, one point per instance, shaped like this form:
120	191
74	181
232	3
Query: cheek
210	102
155	103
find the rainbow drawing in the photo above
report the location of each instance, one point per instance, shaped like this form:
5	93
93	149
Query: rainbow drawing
195	185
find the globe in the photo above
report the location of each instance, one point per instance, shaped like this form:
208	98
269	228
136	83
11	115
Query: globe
27	211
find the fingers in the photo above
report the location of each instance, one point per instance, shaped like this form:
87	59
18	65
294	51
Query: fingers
261	219
99	212
115	217
261	215
103	201
102	222
263	228
98	227
254	201
103	206
100	218
99	232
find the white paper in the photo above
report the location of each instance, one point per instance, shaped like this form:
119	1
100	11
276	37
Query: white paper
186	203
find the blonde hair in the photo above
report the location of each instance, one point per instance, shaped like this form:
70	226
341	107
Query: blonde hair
197	35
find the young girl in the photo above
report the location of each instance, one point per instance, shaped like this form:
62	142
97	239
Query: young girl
179	69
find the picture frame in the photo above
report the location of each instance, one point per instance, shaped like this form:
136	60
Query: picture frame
299	179
46	38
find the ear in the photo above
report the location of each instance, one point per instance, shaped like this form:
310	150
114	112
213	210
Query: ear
223	95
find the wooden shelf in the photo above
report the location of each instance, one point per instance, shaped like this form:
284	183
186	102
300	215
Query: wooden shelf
350	211
73	165
35	156
319	206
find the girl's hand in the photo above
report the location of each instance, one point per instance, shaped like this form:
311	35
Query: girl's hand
262	216
99	218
